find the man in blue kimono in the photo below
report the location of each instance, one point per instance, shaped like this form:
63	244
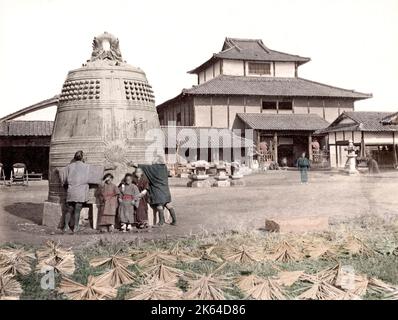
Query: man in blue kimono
303	164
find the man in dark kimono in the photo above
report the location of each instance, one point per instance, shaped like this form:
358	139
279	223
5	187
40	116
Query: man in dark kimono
159	191
303	165
77	176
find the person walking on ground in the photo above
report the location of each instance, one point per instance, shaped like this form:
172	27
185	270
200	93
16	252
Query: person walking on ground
303	165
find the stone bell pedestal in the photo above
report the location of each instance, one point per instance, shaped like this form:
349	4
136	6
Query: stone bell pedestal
52	213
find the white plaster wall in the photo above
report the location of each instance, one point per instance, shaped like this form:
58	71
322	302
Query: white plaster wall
269	111
220	116
233	110
357	137
284	69
331	114
233	67
285	111
318	111
209	73
346	109
217	68
339	136
332	139
201	77
342	156
378	138
202	116
332	156
300	110
253	109
348	135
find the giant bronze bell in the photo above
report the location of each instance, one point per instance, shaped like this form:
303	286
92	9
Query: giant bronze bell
105	109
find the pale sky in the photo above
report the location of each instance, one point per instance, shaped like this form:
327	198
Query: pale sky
352	43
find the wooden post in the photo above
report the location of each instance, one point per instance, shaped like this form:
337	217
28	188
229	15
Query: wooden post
363	151
275	143
310	155
394	150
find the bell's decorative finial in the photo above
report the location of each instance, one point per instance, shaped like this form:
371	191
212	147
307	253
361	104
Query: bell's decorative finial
106	47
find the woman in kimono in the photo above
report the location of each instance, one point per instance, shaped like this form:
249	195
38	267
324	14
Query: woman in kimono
128	202
303	165
109	194
141	214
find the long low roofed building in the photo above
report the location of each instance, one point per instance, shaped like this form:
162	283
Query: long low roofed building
373	133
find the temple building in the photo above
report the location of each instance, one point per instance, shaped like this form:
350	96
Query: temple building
374	134
248	85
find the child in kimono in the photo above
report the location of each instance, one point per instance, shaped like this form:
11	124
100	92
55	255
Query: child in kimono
109	194
128	202
141	214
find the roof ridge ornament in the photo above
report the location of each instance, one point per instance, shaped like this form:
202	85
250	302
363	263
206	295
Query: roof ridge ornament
106	47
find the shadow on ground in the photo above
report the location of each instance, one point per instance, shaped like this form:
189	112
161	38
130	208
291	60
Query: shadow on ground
26	210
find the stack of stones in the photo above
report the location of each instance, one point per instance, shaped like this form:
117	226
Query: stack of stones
222	179
236	175
199	178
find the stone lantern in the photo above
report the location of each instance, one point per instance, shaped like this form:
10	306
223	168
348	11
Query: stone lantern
236	174
351	159
199	177
222	178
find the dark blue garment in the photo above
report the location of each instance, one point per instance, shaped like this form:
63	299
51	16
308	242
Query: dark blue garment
303	165
157	175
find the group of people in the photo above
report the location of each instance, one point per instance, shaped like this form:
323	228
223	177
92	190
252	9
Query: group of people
124	205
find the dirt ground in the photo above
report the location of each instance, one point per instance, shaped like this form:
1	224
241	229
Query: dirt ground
266	195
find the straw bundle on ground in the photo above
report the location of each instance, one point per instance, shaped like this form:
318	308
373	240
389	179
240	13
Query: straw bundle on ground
52	250
380	287
15	261
288	278
284	252
328	275
393	295
355	284
112	261
321	290
10	289
155	257
241	254
116	277
93	290
355	246
207	286
163	273
182	255
156	290
321	251
255	287
266	289
245	283
53	256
